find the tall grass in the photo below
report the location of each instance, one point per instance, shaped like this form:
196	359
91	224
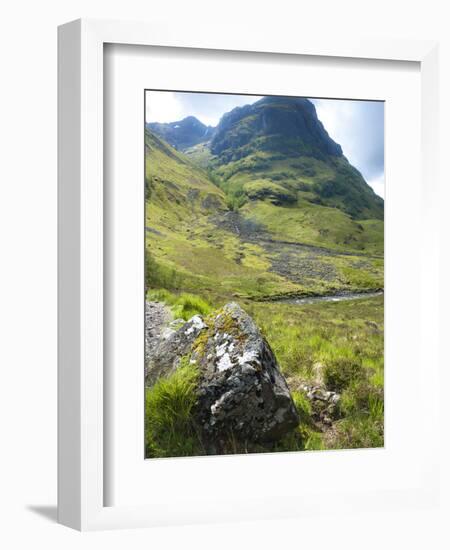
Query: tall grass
329	344
169	426
183	306
334	345
157	275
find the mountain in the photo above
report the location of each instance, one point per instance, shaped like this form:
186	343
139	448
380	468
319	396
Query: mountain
185	246
279	124
266	205
182	133
277	148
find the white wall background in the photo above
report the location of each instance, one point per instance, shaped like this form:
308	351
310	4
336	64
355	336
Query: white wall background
28	269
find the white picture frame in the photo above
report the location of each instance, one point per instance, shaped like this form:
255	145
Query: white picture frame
81	362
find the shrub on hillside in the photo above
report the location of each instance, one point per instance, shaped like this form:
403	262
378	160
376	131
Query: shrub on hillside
157	275
340	372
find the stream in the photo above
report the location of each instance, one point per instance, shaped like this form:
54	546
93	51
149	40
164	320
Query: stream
332	298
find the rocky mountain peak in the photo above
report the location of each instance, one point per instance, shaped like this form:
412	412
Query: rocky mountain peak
279	124
182	134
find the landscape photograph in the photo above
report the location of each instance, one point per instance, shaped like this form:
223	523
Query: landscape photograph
264	274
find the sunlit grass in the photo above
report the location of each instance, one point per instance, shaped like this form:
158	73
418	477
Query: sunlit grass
204	266
183	306
169	425
331	344
334	344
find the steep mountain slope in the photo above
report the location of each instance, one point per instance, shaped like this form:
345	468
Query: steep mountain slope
182	133
196	242
279	124
175	184
185	248
278	150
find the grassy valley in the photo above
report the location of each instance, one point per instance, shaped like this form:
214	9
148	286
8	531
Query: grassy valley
266	209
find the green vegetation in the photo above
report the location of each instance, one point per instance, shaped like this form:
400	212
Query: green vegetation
199	154
315	225
308	338
306	437
183	306
341	371
191	249
255	217
236	200
262	189
338	345
158	275
341	346
281	139
169	427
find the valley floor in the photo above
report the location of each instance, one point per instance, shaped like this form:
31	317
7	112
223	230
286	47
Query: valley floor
331	354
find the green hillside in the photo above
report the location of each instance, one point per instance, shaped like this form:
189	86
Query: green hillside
293	206
197	241
185	247
265	210
268	207
276	153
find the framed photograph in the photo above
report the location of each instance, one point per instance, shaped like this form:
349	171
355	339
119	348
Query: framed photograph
242	225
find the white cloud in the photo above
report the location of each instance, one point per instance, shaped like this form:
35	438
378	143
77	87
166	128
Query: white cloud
358	126
377	185
335	116
208	108
162	107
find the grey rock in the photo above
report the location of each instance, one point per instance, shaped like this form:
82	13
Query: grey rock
242	394
176	324
157	318
324	403
182	134
242	391
170	348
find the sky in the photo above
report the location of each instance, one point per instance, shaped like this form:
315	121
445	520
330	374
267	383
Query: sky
358	126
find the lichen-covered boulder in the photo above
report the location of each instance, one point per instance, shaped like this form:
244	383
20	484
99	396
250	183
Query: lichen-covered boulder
242	392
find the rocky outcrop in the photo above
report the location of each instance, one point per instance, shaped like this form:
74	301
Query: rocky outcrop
182	134
241	393
174	344
157	319
280	121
